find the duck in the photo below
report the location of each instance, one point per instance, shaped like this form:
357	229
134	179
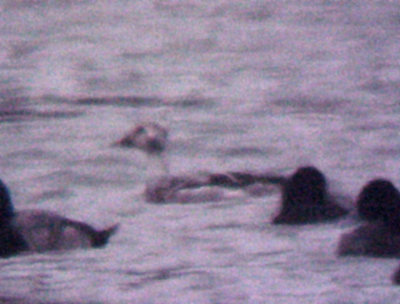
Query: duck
29	231
305	199
152	139
166	188
378	205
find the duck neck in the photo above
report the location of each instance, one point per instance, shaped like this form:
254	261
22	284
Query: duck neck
157	166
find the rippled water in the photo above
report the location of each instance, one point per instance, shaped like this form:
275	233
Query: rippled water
241	85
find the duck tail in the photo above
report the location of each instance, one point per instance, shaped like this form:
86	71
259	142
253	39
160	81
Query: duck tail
100	238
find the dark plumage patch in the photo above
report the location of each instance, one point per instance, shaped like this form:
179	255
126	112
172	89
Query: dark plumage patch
373	239
305	199
396	277
11	241
6	207
379	200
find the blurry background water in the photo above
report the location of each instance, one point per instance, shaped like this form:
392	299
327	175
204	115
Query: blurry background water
240	85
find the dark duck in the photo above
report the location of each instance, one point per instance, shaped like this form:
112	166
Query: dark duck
305	199
378	205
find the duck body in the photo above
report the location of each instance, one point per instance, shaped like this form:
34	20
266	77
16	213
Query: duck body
41	230
45	230
378	205
371	239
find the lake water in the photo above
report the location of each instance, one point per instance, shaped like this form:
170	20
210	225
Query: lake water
257	85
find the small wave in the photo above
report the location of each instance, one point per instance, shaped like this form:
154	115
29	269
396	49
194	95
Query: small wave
309	104
18	115
247	151
119	100
16	108
18	300
163	274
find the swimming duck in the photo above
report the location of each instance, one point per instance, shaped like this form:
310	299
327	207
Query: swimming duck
305	199
149	137
41	230
379	205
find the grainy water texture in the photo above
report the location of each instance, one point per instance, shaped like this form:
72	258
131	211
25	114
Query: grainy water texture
257	85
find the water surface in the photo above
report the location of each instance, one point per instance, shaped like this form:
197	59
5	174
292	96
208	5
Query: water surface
258	85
